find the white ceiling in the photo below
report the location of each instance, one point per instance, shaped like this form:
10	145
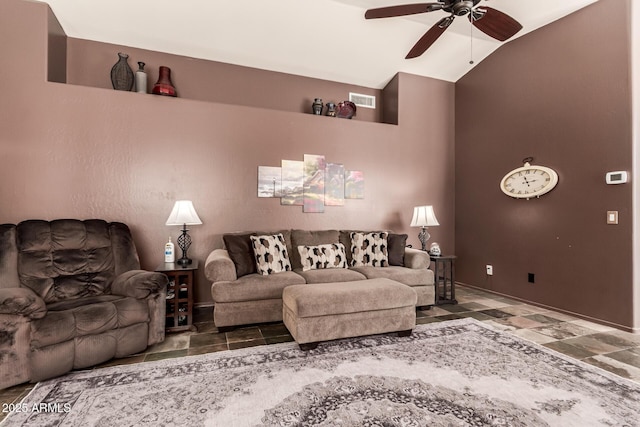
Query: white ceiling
327	39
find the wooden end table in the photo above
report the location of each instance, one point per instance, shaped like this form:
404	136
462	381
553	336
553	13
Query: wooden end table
179	315
444	276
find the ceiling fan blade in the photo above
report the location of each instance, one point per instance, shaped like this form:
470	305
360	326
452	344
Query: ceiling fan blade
402	10
430	37
494	23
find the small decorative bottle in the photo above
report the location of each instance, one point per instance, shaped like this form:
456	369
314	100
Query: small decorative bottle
122	74
141	79
317	106
331	109
169	253
164	86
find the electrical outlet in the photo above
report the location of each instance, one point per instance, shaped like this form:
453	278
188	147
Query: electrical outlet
489	270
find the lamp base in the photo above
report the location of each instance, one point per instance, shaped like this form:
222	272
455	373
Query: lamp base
423	236
184	262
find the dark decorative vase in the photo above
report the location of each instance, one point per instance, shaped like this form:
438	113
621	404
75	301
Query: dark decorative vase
164	86
331	109
317	106
121	74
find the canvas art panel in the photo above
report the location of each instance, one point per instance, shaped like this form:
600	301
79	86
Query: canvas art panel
354	185
269	181
334	185
292	183
314	171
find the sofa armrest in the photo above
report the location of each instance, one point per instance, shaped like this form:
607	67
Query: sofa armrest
219	267
415	258
22	302
139	284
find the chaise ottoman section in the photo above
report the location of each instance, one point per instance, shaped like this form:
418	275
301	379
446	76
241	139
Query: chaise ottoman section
328	311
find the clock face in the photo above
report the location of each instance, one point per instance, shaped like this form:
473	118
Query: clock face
529	181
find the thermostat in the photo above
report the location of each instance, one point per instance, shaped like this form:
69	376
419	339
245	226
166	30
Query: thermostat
617	177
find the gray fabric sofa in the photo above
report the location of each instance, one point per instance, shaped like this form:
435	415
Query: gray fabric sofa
72	295
242	296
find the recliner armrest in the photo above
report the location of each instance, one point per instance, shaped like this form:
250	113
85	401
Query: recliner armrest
415	258
139	284
219	267
22	302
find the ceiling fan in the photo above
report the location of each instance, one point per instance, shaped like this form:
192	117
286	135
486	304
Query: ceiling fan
490	21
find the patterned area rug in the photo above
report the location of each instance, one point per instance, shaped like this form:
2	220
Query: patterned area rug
457	373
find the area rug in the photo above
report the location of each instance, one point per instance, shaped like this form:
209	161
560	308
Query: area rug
456	373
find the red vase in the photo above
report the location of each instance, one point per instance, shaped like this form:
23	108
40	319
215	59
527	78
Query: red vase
164	86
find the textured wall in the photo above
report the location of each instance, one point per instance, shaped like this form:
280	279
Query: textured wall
83	152
561	95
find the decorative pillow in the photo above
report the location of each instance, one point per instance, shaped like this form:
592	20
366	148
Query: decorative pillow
369	249
331	255
240	250
271	254
397	243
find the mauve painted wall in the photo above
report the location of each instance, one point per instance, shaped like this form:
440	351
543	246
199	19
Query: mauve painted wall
562	96
84	152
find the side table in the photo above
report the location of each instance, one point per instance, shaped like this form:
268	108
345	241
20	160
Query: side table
444	276
179	315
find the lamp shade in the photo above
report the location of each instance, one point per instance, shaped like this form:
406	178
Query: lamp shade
424	216
183	213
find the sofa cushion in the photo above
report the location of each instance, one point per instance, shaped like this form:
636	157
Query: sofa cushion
330	275
254	287
310	238
271	254
241	252
407	276
397	243
331	255
369	249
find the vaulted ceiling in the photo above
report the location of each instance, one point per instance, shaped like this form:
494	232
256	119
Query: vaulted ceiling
327	39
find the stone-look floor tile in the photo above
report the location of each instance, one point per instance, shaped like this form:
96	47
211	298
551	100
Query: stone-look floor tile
531	335
630	356
424	320
499	326
165	355
207	349
627	336
517	310
476	315
533	308
244	334
615	366
560	316
541	318
518	322
564	330
619	339
473	306
203	327
278	339
496	313
593	343
200	340
273	330
453	308
451	316
569	350
436	311
244	344
171	342
421	313
490	303
592	325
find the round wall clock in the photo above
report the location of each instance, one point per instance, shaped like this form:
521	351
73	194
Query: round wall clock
529	181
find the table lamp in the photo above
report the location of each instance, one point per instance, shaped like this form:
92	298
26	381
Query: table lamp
184	214
424	216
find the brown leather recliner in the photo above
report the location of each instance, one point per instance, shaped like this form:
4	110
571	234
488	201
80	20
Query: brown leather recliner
72	295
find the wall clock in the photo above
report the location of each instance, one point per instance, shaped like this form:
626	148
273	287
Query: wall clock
529	181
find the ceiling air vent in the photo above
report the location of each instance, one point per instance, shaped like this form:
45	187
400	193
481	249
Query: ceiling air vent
366	101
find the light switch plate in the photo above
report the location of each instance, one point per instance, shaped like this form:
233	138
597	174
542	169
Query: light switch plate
612	217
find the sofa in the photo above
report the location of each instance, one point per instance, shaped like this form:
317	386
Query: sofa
72	295
243	295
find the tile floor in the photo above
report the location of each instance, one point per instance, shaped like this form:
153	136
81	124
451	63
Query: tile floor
608	348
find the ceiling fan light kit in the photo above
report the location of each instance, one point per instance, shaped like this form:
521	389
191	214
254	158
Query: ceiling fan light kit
492	22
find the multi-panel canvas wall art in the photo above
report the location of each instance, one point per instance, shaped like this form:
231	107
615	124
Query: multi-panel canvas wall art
312	183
